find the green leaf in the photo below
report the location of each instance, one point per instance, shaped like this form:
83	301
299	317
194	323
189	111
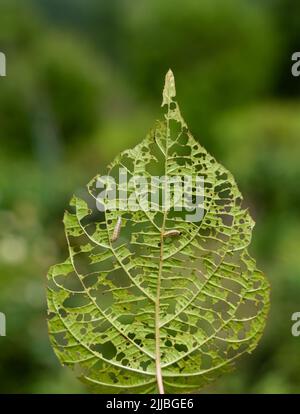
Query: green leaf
148	313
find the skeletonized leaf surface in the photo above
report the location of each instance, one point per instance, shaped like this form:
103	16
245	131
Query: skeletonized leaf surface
199	295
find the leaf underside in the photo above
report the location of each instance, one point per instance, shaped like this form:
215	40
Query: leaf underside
103	300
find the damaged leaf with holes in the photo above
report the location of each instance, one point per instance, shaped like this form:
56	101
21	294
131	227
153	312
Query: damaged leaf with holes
146	313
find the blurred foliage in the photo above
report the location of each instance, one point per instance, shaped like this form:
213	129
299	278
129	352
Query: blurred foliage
44	100
210	48
83	80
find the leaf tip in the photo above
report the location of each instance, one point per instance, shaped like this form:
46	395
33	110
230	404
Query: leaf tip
169	91
170	73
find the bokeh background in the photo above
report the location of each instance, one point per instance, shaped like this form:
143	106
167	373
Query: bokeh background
84	81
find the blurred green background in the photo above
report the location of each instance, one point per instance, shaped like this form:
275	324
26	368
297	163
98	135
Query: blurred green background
84	81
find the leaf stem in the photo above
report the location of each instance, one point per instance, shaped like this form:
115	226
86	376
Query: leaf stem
159	378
